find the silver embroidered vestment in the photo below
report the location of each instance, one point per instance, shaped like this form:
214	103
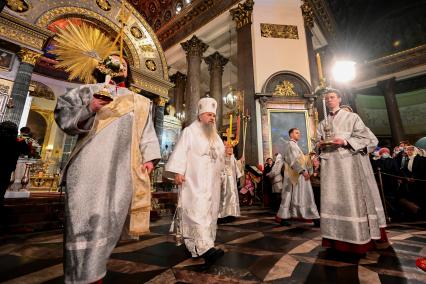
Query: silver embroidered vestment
297	199
229	201
98	182
351	208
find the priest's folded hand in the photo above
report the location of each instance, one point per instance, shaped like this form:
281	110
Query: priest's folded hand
179	179
148	166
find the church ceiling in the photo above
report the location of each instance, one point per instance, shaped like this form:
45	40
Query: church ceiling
159	12
372	29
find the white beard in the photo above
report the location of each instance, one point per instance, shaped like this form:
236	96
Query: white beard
209	129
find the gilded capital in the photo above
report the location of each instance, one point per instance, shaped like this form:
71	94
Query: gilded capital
308	14
194	46
28	56
160	101
178	77
216	61
242	13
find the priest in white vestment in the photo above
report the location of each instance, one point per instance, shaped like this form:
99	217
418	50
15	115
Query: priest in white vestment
197	163
297	198
229	201
352	213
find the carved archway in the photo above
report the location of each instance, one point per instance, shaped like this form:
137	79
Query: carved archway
287	83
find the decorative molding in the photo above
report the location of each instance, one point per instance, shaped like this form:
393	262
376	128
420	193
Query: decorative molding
15	30
194	46
216	61
279	31
41	90
308	14
103	4
18	6
242	13
150	83
150	64
324	18
285	89
135	89
28	56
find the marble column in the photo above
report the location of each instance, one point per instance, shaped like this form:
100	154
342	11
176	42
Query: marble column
160	102
22	83
242	16
194	49
179	79
395	121
216	62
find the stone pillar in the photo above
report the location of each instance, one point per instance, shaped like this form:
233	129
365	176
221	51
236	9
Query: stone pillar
160	102
242	17
308	19
216	62
194	49
395	121
21	84
179	79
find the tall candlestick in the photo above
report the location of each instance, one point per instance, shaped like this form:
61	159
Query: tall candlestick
319	67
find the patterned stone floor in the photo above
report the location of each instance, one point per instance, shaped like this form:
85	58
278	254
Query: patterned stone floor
256	251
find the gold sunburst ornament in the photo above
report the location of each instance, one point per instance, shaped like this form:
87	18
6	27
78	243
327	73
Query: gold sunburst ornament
81	49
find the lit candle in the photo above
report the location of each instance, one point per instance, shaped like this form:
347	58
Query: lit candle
319	67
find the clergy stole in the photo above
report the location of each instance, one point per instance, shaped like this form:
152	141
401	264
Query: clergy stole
141	198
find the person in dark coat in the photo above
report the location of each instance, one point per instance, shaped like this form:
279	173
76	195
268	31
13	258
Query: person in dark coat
267	185
9	153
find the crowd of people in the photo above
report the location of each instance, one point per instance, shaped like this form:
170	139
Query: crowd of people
402	176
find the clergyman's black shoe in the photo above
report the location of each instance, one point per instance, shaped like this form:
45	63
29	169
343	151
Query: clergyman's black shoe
211	256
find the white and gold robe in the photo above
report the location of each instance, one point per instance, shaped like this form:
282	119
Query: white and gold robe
297	197
104	176
229	201
201	162
351	208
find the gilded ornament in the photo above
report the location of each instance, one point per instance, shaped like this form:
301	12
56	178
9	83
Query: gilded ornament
104	5
150	64
17	31
308	14
279	31
19	6
285	89
136	32
161	101
62	12
135	89
28	56
146	48
194	46
242	13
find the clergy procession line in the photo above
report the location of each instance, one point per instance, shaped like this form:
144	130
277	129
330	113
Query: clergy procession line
117	139
107	176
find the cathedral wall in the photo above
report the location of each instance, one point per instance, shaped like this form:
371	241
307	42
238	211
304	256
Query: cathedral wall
277	54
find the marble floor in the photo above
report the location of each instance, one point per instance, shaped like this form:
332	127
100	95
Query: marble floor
257	250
